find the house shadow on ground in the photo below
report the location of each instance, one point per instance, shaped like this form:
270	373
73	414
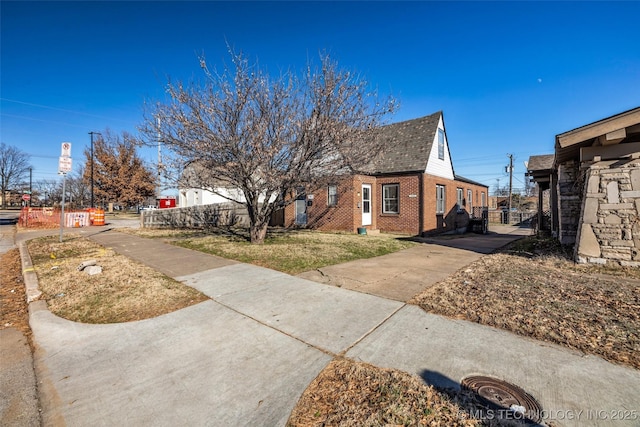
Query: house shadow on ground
496	238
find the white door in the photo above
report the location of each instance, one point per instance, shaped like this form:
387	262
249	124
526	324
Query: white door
301	206
366	204
301	212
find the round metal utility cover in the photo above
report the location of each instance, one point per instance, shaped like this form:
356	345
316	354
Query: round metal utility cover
504	395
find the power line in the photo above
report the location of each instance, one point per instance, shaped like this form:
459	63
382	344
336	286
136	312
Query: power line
42	120
60	109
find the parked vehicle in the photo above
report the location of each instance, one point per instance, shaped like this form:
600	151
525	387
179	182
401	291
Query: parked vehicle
148	208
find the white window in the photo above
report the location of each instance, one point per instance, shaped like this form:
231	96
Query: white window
332	195
440	144
390	197
459	198
484	199
440	199
470	201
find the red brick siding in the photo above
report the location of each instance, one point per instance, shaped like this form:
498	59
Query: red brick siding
347	215
451	219
408	219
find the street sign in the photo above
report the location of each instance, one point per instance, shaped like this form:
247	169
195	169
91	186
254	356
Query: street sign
64	165
26	197
66	149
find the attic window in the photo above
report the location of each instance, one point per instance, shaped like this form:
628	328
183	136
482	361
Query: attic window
440	144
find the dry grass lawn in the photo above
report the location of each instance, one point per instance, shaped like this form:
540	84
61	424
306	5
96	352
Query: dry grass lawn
353	394
123	292
532	288
291	252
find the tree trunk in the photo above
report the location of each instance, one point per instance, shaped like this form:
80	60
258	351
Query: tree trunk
258	232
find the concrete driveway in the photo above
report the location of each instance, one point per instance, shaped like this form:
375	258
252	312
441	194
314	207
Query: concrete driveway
402	275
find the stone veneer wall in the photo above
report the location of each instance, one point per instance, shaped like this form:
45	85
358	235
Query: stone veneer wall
610	227
570	185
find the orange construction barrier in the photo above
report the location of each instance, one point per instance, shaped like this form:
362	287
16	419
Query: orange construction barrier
92	212
98	217
76	219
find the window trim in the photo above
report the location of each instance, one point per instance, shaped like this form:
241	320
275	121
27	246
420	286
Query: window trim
397	199
440	144
332	196
470	199
460	198
441	203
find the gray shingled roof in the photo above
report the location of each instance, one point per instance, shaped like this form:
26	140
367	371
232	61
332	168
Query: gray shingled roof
407	145
540	163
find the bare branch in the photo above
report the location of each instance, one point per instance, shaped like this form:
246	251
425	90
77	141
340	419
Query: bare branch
267	135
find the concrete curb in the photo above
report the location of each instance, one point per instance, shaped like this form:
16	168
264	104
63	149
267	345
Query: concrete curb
29	274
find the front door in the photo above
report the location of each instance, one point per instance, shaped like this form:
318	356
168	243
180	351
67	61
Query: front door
366	204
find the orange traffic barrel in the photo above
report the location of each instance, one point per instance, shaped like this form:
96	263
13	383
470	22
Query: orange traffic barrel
92	212
98	217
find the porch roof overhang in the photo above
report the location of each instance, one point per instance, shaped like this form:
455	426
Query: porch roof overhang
540	168
606	138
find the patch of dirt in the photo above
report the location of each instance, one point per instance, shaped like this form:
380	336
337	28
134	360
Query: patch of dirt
14	310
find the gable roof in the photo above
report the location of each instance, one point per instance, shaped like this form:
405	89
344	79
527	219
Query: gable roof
406	145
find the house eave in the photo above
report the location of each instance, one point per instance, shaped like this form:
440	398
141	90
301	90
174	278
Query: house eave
594	130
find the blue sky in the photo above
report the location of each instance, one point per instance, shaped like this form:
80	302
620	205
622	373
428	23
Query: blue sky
508	76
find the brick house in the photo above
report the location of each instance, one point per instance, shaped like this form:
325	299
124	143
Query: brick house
411	188
595	189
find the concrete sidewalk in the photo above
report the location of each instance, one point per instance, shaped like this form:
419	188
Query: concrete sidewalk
246	355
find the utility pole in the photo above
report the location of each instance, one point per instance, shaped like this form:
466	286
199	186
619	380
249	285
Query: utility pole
30	186
159	190
510	156
92	133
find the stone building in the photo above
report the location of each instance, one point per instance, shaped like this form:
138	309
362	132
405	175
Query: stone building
595	189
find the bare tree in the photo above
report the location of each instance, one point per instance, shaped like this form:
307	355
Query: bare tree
77	188
14	166
267	136
120	176
49	190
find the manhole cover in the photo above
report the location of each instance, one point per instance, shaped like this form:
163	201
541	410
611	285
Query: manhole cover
504	395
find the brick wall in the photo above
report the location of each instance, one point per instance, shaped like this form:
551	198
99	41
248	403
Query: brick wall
407	220
345	216
412	218
452	219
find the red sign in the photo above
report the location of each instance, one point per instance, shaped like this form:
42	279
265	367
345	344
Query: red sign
26	197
